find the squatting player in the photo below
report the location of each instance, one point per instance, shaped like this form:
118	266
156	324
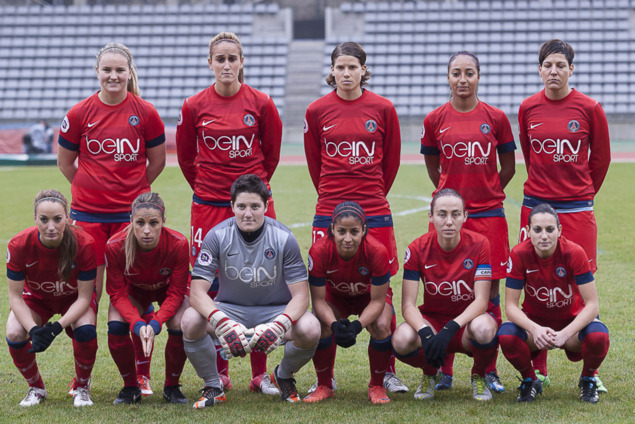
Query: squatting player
564	137
262	287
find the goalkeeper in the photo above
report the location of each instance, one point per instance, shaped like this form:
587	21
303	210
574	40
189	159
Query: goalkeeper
262	288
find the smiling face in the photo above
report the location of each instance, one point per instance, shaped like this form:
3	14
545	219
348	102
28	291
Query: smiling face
555	71
226	62
113	73
348	233
448	217
147	224
348	73
249	210
463	77
544	232
51	220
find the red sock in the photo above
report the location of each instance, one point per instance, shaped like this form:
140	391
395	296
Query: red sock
391	361
482	358
417	359
491	367
378	358
26	364
174	358
540	361
258	363
448	365
85	353
122	353
143	362
221	363
594	349
517	353
324	361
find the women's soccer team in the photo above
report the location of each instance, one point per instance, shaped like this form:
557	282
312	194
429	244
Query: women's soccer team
112	147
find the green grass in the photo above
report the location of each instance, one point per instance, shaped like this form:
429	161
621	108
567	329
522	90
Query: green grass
295	202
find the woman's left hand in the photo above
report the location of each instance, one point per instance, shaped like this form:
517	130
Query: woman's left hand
146	334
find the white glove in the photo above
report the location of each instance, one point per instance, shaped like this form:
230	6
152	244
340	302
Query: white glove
269	336
230	334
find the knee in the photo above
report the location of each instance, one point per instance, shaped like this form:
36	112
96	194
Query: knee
508	332
379	329
483	332
306	331
193	325
16	333
403	339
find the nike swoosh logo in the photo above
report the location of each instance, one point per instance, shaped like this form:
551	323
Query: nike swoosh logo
444	130
208	122
30	265
503	263
529	271
93	124
232	254
142	362
532	126
331	271
392	260
325	128
429	266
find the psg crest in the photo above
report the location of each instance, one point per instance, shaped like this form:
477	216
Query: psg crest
204	258
249	120
561	272
371	126
165	271
485	128
468	263
133	120
573	126
270	253
363	270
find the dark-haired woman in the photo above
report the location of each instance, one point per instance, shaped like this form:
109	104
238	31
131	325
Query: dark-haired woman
147	262
461	141
51	270
349	275
560	306
227	130
564	137
353	145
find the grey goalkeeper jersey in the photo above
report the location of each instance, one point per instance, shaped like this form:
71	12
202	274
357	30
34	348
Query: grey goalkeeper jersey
255	273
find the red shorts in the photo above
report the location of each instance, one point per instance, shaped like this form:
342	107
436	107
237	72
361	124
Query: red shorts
145	297
579	227
47	308
101	232
205	217
347	306
385	235
495	229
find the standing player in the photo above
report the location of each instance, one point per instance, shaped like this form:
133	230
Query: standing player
51	270
353	145
119	142
460	143
349	275
564	137
454	265
225	131
147	262
262	286
559	309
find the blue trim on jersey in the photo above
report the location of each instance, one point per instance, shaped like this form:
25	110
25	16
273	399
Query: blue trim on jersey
514	283
510	146
560	207
496	301
137	327
587	277
67	144
15	275
373	221
381	280
500	212
317	281
427	150
411	275
106	218
87	275
157	141
200	201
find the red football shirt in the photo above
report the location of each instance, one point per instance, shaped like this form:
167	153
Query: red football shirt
566	146
353	150
111	142
221	138
160	273
468	143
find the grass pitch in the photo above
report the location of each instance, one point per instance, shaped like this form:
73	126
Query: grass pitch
295	202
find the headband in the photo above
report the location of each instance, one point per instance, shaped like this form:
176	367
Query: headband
148	204
351	209
225	39
51	199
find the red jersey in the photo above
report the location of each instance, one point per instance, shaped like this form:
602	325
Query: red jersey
221	138
468	143
161	273
551	285
566	146
353	150
348	278
111	143
448	277
29	260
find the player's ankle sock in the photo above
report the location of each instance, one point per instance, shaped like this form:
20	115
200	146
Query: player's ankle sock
84	351
174	357
517	353
258	363
539	359
448	365
324	360
294	358
483	354
26	363
378	357
204	364
122	351
595	346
